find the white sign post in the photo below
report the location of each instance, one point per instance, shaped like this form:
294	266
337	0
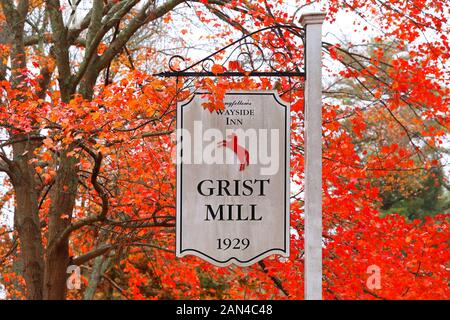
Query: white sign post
312	22
233	178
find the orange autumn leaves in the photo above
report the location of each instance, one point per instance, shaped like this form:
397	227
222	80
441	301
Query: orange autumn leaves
362	144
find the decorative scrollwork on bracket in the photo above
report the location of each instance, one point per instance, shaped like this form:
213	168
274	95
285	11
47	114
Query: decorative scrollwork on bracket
264	52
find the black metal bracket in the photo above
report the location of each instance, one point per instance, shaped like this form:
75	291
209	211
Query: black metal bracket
253	59
230	74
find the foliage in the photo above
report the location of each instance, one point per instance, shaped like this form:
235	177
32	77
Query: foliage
87	151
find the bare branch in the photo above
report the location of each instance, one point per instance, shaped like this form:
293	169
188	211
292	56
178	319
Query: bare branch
372	293
277	282
144	16
22	8
61	46
92	254
48	38
227	19
95	23
114	15
9	10
10	251
99	189
3	167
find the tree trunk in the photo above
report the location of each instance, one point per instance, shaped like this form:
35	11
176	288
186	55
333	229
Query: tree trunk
62	203
26	219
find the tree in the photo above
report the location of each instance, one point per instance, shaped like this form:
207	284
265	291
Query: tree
414	192
44	266
87	150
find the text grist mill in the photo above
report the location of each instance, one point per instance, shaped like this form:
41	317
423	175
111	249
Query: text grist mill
232	188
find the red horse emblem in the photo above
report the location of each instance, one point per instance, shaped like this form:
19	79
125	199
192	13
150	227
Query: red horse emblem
241	153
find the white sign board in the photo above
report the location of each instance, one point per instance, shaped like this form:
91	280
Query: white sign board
233	178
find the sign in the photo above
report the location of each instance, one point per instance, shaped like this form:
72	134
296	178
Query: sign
233	178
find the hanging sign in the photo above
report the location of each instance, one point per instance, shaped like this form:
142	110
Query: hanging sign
233	178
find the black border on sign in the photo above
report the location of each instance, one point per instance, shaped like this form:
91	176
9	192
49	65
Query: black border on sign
180	177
